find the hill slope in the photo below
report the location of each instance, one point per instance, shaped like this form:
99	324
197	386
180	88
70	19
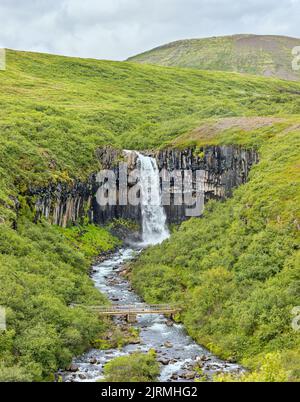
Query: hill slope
50	101
236	271
254	54
55	112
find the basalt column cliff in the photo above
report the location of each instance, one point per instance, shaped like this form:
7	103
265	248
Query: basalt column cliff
224	168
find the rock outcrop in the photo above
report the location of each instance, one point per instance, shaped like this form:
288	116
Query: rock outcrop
224	168
64	203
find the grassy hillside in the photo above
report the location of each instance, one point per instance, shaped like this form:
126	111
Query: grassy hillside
236	271
55	112
269	56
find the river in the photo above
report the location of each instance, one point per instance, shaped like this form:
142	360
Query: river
177	358
176	351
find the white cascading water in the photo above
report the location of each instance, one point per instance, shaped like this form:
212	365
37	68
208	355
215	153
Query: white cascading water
154	219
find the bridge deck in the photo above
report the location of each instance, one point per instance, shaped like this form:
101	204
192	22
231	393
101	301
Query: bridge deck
136	309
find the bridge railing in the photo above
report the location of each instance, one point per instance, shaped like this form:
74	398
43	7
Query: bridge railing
140	307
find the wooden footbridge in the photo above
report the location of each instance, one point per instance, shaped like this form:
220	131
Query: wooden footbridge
132	311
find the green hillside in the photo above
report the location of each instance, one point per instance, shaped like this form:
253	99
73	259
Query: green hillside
264	55
50	101
55	111
236	271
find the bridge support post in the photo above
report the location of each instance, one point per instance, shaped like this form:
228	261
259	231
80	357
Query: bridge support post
131	318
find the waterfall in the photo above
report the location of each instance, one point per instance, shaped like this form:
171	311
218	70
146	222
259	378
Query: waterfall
154	219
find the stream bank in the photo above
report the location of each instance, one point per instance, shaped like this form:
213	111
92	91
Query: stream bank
180	357
177	353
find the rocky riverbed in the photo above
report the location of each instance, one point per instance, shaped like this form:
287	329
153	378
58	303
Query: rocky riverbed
180	357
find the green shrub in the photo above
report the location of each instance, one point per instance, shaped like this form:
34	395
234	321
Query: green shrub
41	274
271	370
136	367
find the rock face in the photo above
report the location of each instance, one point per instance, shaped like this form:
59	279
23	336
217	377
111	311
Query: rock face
223	168
64	203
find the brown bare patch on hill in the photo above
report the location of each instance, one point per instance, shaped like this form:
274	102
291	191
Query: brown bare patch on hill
208	131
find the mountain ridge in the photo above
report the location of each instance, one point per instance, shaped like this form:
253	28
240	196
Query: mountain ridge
265	55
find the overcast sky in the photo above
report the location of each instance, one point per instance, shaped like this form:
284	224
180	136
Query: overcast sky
117	29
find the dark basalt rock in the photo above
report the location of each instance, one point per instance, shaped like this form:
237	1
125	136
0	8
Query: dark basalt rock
63	203
224	167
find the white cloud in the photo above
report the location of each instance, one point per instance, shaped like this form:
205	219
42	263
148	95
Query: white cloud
116	29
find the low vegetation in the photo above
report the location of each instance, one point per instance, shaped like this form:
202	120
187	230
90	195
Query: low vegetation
271	370
137	367
89	239
41	275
